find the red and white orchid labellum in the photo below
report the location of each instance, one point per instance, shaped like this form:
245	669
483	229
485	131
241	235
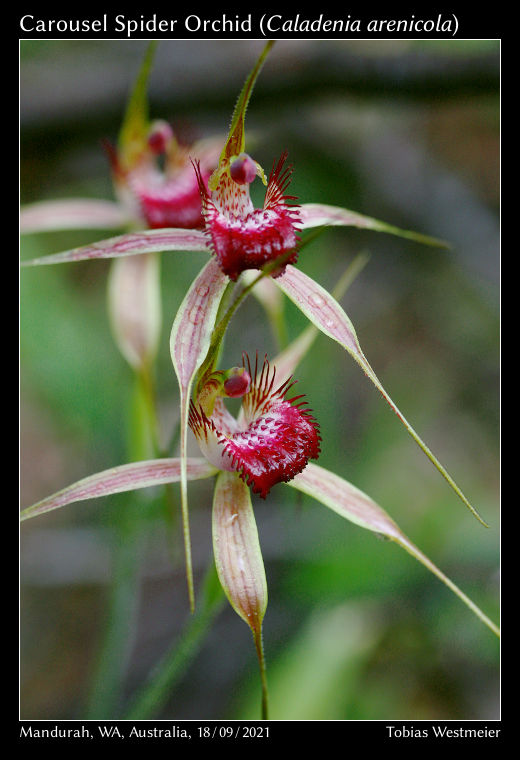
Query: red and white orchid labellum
236	547
272	439
244	237
134	300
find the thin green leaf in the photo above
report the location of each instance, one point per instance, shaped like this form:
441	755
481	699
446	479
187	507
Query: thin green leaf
126	477
351	503
324	312
189	342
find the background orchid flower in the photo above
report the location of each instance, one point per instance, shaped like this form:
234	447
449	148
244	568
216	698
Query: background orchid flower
152	176
156	187
226	201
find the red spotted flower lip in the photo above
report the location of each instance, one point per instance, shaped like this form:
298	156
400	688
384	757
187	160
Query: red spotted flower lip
242	237
271	441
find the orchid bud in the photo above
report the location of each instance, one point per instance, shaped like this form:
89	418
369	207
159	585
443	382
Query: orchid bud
238	557
231	383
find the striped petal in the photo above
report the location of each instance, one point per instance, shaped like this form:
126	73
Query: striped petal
321	215
354	505
127	477
324	312
189	343
131	244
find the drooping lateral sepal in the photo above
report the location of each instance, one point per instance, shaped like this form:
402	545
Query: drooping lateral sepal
329	317
236	547
354	505
189	343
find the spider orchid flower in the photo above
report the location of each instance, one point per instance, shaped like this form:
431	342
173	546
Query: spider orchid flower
270	443
155	187
239	238
160	189
152	175
273	438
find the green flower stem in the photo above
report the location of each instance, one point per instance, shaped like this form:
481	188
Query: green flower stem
170	669
279	328
263	673
129	530
149	428
222	322
104	697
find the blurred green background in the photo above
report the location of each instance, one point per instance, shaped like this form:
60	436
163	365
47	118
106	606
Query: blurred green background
405	131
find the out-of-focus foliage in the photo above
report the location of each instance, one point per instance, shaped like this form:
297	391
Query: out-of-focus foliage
354	628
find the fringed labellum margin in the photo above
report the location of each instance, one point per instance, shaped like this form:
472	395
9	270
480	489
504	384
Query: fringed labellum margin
242	237
271	441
